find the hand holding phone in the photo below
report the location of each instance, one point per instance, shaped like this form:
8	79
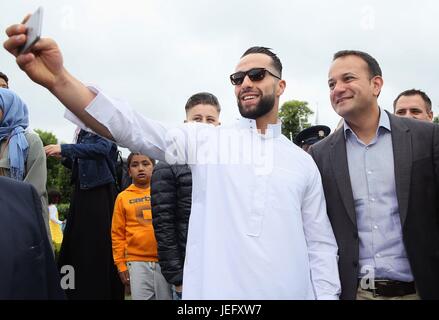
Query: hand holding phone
44	66
33	30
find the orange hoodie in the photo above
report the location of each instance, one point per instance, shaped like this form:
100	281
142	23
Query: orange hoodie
132	232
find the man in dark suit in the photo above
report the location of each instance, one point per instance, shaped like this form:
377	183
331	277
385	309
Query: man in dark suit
27	265
381	180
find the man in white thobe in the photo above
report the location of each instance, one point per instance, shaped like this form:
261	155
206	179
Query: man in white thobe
258	227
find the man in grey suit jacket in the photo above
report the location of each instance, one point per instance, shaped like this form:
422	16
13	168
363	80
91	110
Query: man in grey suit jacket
381	180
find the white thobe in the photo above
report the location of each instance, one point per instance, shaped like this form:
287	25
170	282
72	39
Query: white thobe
258	227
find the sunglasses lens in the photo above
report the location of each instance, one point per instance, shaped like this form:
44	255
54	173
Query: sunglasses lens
256	74
237	78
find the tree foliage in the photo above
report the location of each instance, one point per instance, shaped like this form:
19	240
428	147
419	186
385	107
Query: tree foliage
58	176
294	115
436	119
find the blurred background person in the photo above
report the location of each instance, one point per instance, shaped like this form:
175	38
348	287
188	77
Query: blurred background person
4	81
56	225
171	197
87	236
414	104
22	154
307	137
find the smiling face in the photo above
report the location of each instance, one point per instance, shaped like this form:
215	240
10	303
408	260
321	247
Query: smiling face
413	106
258	98
140	169
352	90
204	113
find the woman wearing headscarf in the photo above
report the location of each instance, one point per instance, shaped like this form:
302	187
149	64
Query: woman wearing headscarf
22	155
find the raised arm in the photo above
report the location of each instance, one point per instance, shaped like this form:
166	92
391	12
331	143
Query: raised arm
91	109
44	65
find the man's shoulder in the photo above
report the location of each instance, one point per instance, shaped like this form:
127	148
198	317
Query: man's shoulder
32	137
295	158
163	165
413	125
20	194
163	169
11	184
325	144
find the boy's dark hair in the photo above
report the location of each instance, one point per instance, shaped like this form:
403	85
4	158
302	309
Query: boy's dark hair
374	67
413	92
275	59
4	77
132	154
202	98
54	196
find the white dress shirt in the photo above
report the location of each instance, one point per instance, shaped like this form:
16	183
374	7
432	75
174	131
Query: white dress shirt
258	227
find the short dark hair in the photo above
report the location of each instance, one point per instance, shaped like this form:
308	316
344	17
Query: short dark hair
374	67
264	50
4	77
202	98
413	92
54	196
132	154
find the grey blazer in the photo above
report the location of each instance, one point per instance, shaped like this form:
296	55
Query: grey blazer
416	161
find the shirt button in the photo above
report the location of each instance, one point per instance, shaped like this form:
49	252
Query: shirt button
378	255
375	227
369	172
372	199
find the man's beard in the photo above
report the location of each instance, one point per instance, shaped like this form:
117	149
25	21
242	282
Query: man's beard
264	106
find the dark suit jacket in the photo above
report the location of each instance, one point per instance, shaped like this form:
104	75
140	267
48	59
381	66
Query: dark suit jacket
27	265
416	161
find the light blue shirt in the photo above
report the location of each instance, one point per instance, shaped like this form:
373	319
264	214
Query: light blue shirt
372	173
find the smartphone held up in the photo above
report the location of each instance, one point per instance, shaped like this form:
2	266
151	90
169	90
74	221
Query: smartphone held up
33	30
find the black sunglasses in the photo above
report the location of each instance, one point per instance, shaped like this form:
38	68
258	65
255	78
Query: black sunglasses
255	74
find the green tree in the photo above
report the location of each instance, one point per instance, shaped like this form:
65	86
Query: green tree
52	163
58	176
294	115
436	119
63	184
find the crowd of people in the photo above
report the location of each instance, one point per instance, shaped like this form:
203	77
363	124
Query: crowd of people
229	211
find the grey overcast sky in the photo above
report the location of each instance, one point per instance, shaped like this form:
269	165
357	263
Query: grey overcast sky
156	53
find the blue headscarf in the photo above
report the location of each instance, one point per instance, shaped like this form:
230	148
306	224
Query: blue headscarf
12	126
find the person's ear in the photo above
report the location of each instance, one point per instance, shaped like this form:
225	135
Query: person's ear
281	87
377	83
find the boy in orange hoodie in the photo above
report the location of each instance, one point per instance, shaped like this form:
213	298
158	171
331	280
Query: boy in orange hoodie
132	233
